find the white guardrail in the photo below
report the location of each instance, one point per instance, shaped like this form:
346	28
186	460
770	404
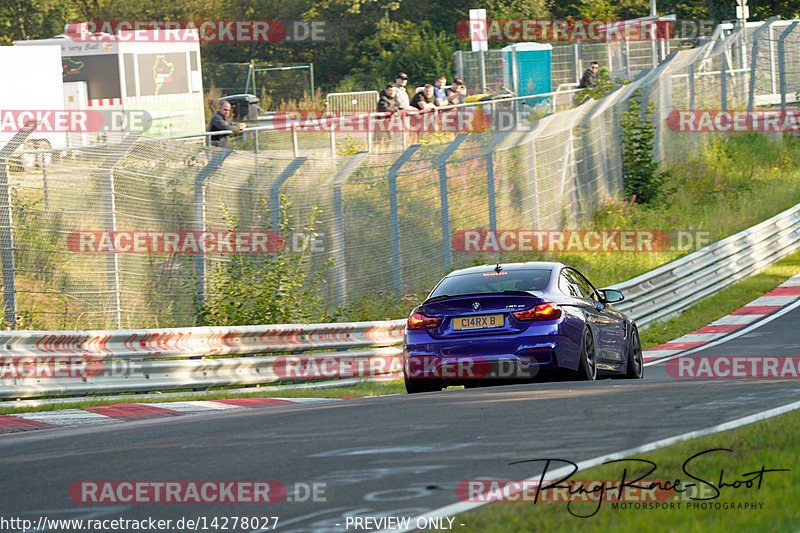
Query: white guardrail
68	363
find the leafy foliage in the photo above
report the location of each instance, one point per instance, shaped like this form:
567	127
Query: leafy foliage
604	85
640	174
268	288
367	42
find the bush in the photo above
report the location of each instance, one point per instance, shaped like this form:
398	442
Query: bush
273	288
640	175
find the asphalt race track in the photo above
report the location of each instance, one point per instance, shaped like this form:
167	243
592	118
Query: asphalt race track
387	456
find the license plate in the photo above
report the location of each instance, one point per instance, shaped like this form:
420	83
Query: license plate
478	322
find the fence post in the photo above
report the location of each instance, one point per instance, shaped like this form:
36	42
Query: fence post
751	101
782	61
773	81
626	58
394	219
340	265
576	60
44	184
217	158
275	192
723	86
7	227
490	192
482	69
110	221
692	135
255	155
295	146
441	162
663	107
459	64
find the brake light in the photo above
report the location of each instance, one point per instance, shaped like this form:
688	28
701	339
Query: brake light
420	321
540	312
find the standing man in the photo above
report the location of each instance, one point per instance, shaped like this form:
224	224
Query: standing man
220	121
387	101
400	94
589	78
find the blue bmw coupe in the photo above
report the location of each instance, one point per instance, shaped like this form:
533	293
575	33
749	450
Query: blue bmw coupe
517	321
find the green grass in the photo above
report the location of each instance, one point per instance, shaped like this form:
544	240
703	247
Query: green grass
770	443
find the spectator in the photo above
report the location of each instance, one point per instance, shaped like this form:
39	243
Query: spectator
424	99
220	121
589	78
456	92
439	91
387	101
400	94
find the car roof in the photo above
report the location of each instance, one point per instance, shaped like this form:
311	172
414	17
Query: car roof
530	265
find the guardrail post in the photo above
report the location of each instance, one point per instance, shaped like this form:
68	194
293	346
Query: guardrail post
218	156
782	61
275	192
340	266
110	221
7	227
394	219
441	162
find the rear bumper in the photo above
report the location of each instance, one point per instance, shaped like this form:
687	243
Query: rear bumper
463	359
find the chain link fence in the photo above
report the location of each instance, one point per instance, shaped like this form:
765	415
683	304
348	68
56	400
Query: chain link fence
387	218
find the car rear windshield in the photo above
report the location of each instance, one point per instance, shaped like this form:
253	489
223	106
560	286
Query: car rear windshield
488	282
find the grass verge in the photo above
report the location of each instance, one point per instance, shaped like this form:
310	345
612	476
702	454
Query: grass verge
770	443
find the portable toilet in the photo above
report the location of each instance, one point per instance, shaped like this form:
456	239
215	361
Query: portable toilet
527	68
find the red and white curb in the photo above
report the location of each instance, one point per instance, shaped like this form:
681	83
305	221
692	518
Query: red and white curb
124	412
784	294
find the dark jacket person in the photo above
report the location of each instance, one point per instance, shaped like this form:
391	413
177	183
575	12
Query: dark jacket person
387	102
220	121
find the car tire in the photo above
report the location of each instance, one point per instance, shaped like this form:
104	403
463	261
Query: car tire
414	386
587	366
635	366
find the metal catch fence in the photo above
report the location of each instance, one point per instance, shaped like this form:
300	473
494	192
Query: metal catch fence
386	218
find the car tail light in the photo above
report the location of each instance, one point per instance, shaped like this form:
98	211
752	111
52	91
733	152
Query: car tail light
540	312
420	321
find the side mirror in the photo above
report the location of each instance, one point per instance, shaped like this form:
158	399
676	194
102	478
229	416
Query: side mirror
612	295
